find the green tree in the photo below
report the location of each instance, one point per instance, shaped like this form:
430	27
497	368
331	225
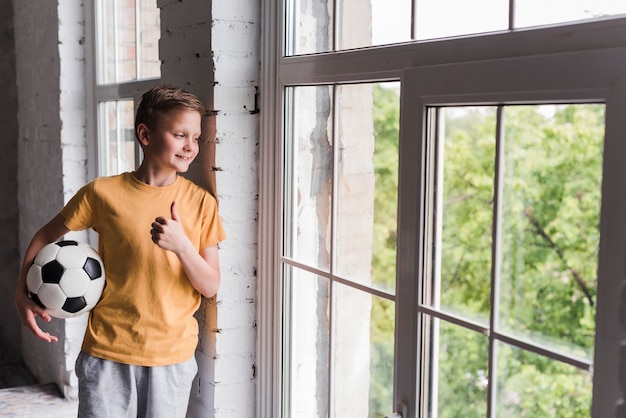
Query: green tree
386	133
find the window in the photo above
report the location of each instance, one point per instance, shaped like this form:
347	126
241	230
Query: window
511	270
510	275
315	27
339	246
126	36
460	290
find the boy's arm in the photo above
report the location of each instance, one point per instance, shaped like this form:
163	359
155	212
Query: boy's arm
204	274
27	309
202	268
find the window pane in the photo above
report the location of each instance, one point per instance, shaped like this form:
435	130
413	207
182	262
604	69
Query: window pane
530	385
117	139
308	179
308	344
466	160
391	21
128	41
148	63
441	18
309	26
375	22
540	12
458	364
363	348
367	183
551	214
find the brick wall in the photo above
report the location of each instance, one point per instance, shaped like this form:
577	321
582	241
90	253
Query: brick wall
211	48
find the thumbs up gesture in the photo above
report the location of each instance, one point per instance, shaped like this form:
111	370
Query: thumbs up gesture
168	233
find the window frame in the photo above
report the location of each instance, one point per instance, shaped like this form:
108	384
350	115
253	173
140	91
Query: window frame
521	80
98	93
382	63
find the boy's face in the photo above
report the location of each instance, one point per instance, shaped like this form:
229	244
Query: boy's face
174	142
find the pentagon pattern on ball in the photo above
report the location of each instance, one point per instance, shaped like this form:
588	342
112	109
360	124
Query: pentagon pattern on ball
66	278
52	272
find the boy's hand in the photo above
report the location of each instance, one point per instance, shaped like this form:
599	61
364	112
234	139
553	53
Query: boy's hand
168	233
28	311
201	266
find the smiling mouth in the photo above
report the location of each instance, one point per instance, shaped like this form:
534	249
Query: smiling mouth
181	157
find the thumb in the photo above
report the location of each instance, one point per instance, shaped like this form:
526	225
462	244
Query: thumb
174	211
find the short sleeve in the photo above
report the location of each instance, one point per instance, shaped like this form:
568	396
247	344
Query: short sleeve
79	212
212	229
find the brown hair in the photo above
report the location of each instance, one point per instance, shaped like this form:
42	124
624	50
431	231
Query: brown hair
163	99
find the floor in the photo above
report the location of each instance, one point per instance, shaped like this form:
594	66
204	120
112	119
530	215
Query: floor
21	396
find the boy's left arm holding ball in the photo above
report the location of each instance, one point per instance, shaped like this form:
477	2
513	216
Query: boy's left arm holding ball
27	309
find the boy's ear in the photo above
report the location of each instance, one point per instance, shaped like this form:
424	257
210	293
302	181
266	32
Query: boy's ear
143	133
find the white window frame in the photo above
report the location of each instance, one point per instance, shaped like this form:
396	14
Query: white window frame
383	64
98	93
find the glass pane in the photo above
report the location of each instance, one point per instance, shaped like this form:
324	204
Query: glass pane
367	183
391	21
128	51
551	214
106	41
530	385
375	22
309	26
308	178
308	344
459	369
540	12
125	44
148	63
441	18
465	198
363	353
117	141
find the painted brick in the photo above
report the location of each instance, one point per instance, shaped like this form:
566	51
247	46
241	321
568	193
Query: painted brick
235	98
192	43
241	236
236	10
231	368
185	14
238	37
239	400
235	315
231	342
234	67
244	127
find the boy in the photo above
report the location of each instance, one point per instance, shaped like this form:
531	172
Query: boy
158	234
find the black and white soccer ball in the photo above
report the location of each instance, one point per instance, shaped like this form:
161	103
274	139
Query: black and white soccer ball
66	278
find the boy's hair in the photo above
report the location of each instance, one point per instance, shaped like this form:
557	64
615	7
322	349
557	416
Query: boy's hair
163	99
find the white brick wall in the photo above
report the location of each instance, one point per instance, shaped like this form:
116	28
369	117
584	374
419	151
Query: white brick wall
211	48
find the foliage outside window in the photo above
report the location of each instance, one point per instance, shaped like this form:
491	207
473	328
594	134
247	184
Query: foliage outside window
542	265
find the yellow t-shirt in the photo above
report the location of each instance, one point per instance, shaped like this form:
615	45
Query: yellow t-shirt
146	313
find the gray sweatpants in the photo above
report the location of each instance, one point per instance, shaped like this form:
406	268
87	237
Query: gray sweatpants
116	390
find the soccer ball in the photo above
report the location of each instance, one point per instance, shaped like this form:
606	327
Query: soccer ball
66	278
